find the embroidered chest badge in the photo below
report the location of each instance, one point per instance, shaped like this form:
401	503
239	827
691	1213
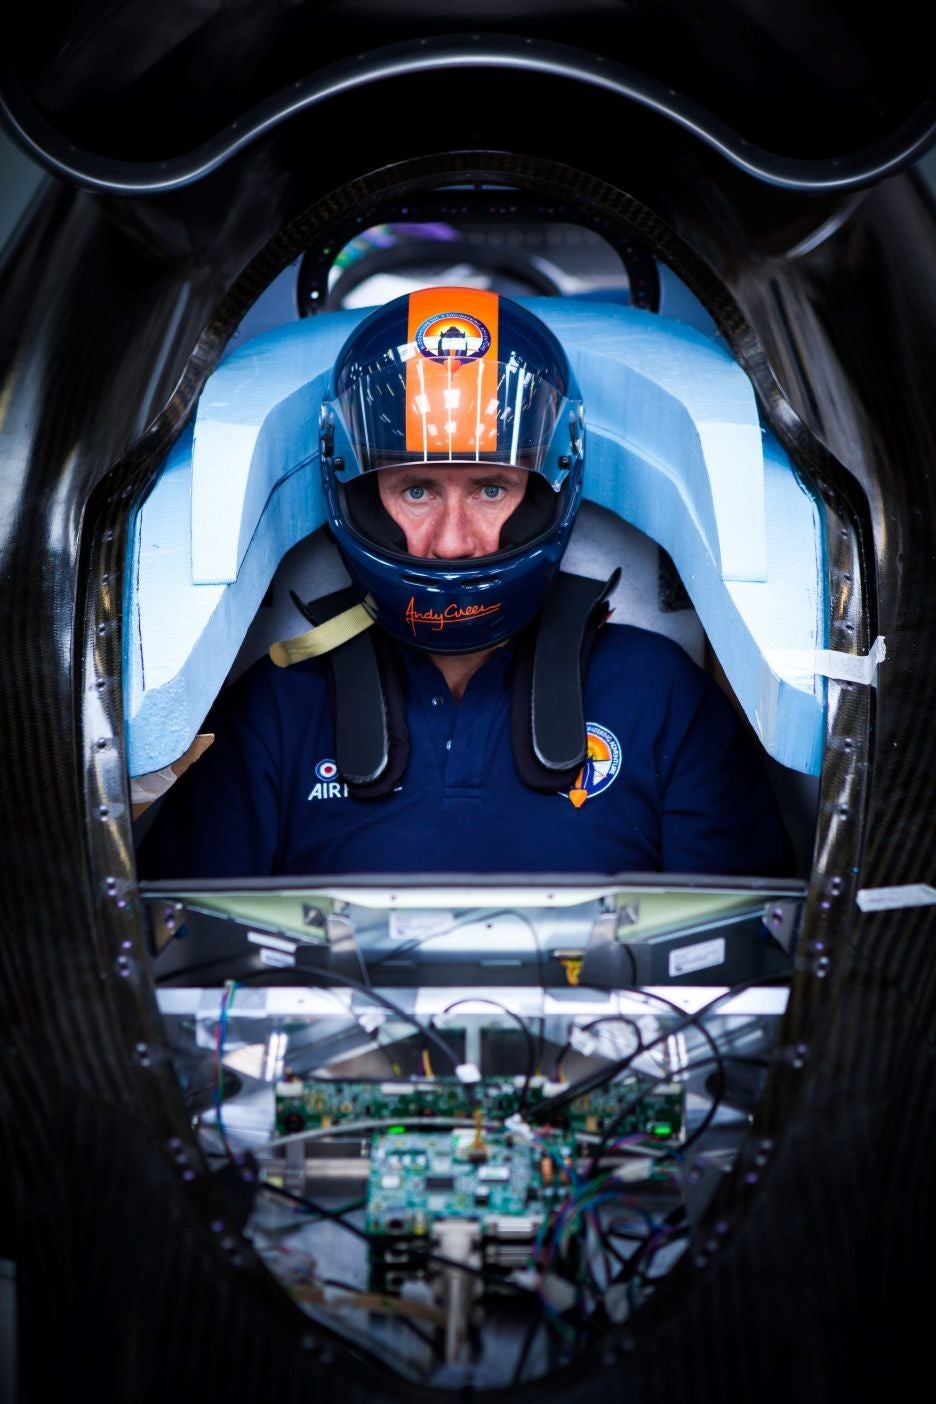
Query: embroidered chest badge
327	784
601	767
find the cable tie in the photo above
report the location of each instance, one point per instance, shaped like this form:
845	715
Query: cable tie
582	1042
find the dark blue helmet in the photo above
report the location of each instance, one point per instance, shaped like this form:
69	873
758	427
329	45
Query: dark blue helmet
452	377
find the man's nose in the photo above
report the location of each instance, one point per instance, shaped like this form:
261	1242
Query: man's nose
455	536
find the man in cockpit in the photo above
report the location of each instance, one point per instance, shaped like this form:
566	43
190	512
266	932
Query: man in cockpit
465	706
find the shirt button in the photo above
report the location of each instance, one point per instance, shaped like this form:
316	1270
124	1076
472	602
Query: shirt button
437	701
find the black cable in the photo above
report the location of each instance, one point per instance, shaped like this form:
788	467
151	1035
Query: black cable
324	974
598	1079
420	941
603	1019
336	1216
605	1075
706	1121
620	1065
525	1348
390	1004
652	1079
642	1268
531	1047
720	1059
320	1210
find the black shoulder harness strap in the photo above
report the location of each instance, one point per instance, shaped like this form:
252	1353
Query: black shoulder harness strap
371	739
548	717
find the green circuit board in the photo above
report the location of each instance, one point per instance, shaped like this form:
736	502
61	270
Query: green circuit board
304	1104
418	1177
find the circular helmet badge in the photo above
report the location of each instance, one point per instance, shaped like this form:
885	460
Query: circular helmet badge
452	335
602	764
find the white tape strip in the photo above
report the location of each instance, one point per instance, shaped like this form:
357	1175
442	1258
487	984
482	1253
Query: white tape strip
827	663
885	899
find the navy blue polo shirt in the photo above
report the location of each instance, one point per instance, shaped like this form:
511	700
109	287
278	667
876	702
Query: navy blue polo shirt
673	782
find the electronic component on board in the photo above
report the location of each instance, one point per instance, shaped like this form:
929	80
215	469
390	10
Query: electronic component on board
305	1104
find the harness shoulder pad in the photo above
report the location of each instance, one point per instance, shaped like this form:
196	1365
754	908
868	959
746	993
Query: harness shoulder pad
548	711
371	739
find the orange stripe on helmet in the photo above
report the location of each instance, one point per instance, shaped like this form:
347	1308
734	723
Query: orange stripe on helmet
452	375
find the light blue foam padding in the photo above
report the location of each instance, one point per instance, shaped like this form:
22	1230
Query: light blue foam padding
257	422
677	397
674	446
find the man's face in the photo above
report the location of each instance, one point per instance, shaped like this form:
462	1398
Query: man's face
451	513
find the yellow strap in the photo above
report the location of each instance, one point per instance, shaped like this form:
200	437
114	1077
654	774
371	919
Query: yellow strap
322	639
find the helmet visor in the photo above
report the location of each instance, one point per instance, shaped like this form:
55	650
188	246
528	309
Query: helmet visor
423	409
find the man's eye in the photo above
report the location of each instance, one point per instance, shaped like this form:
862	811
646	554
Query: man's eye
492	492
415	493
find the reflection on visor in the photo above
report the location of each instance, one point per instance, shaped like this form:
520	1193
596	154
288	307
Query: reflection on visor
427	409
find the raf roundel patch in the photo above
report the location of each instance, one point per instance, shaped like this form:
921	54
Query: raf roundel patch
327	785
601	766
454	335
